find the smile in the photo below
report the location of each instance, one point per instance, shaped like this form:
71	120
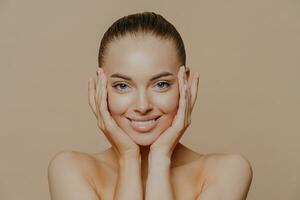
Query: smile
143	125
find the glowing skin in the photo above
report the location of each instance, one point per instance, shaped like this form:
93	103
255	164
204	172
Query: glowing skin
141	59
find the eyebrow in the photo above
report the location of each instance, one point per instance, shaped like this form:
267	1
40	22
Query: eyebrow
157	76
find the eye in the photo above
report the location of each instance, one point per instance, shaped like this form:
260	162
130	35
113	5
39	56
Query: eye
161	84
120	86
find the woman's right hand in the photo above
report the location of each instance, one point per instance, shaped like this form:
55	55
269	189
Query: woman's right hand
120	141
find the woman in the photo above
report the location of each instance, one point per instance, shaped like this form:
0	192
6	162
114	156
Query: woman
143	98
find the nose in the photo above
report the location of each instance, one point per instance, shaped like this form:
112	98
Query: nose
143	104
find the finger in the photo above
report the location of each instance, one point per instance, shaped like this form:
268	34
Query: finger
194	89
107	119
186	87
189	106
179	121
101	98
187	103
113	132
98	101
189	83
91	94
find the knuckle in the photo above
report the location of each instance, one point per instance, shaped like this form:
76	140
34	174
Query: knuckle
101	108
110	127
179	126
96	101
100	127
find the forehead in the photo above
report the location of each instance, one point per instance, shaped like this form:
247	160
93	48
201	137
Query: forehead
140	55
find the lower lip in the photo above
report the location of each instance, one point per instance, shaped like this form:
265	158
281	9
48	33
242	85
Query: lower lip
143	128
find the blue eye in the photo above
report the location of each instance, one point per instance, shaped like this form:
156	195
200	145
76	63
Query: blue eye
122	86
163	83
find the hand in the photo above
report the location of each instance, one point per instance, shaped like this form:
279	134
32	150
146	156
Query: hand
120	141
168	140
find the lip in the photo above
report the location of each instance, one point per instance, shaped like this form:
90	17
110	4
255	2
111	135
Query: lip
144	118
143	128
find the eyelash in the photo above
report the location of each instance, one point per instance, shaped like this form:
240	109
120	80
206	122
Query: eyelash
164	82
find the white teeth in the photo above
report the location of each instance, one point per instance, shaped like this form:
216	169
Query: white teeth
143	123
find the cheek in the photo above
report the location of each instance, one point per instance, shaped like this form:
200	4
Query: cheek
168	102
117	104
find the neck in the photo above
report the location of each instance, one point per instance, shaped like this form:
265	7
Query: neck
144	151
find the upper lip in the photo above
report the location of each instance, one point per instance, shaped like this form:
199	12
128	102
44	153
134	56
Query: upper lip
143	118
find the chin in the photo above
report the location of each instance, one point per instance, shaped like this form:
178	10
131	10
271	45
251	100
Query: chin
144	139
144	144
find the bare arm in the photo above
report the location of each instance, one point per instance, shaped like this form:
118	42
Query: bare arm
158	184
129	185
159	176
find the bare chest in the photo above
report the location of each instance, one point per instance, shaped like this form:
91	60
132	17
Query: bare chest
186	181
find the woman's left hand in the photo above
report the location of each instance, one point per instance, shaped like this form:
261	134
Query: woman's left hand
168	140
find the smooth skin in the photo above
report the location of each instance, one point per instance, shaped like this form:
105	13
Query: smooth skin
148	166
160	151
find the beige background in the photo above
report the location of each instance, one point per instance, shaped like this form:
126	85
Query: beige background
247	53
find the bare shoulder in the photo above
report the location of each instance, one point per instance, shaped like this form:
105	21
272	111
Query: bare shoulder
223	163
74	159
68	177
226	174
67	155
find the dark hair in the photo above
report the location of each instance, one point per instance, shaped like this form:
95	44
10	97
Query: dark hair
142	23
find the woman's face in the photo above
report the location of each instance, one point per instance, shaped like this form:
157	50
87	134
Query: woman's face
142	84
